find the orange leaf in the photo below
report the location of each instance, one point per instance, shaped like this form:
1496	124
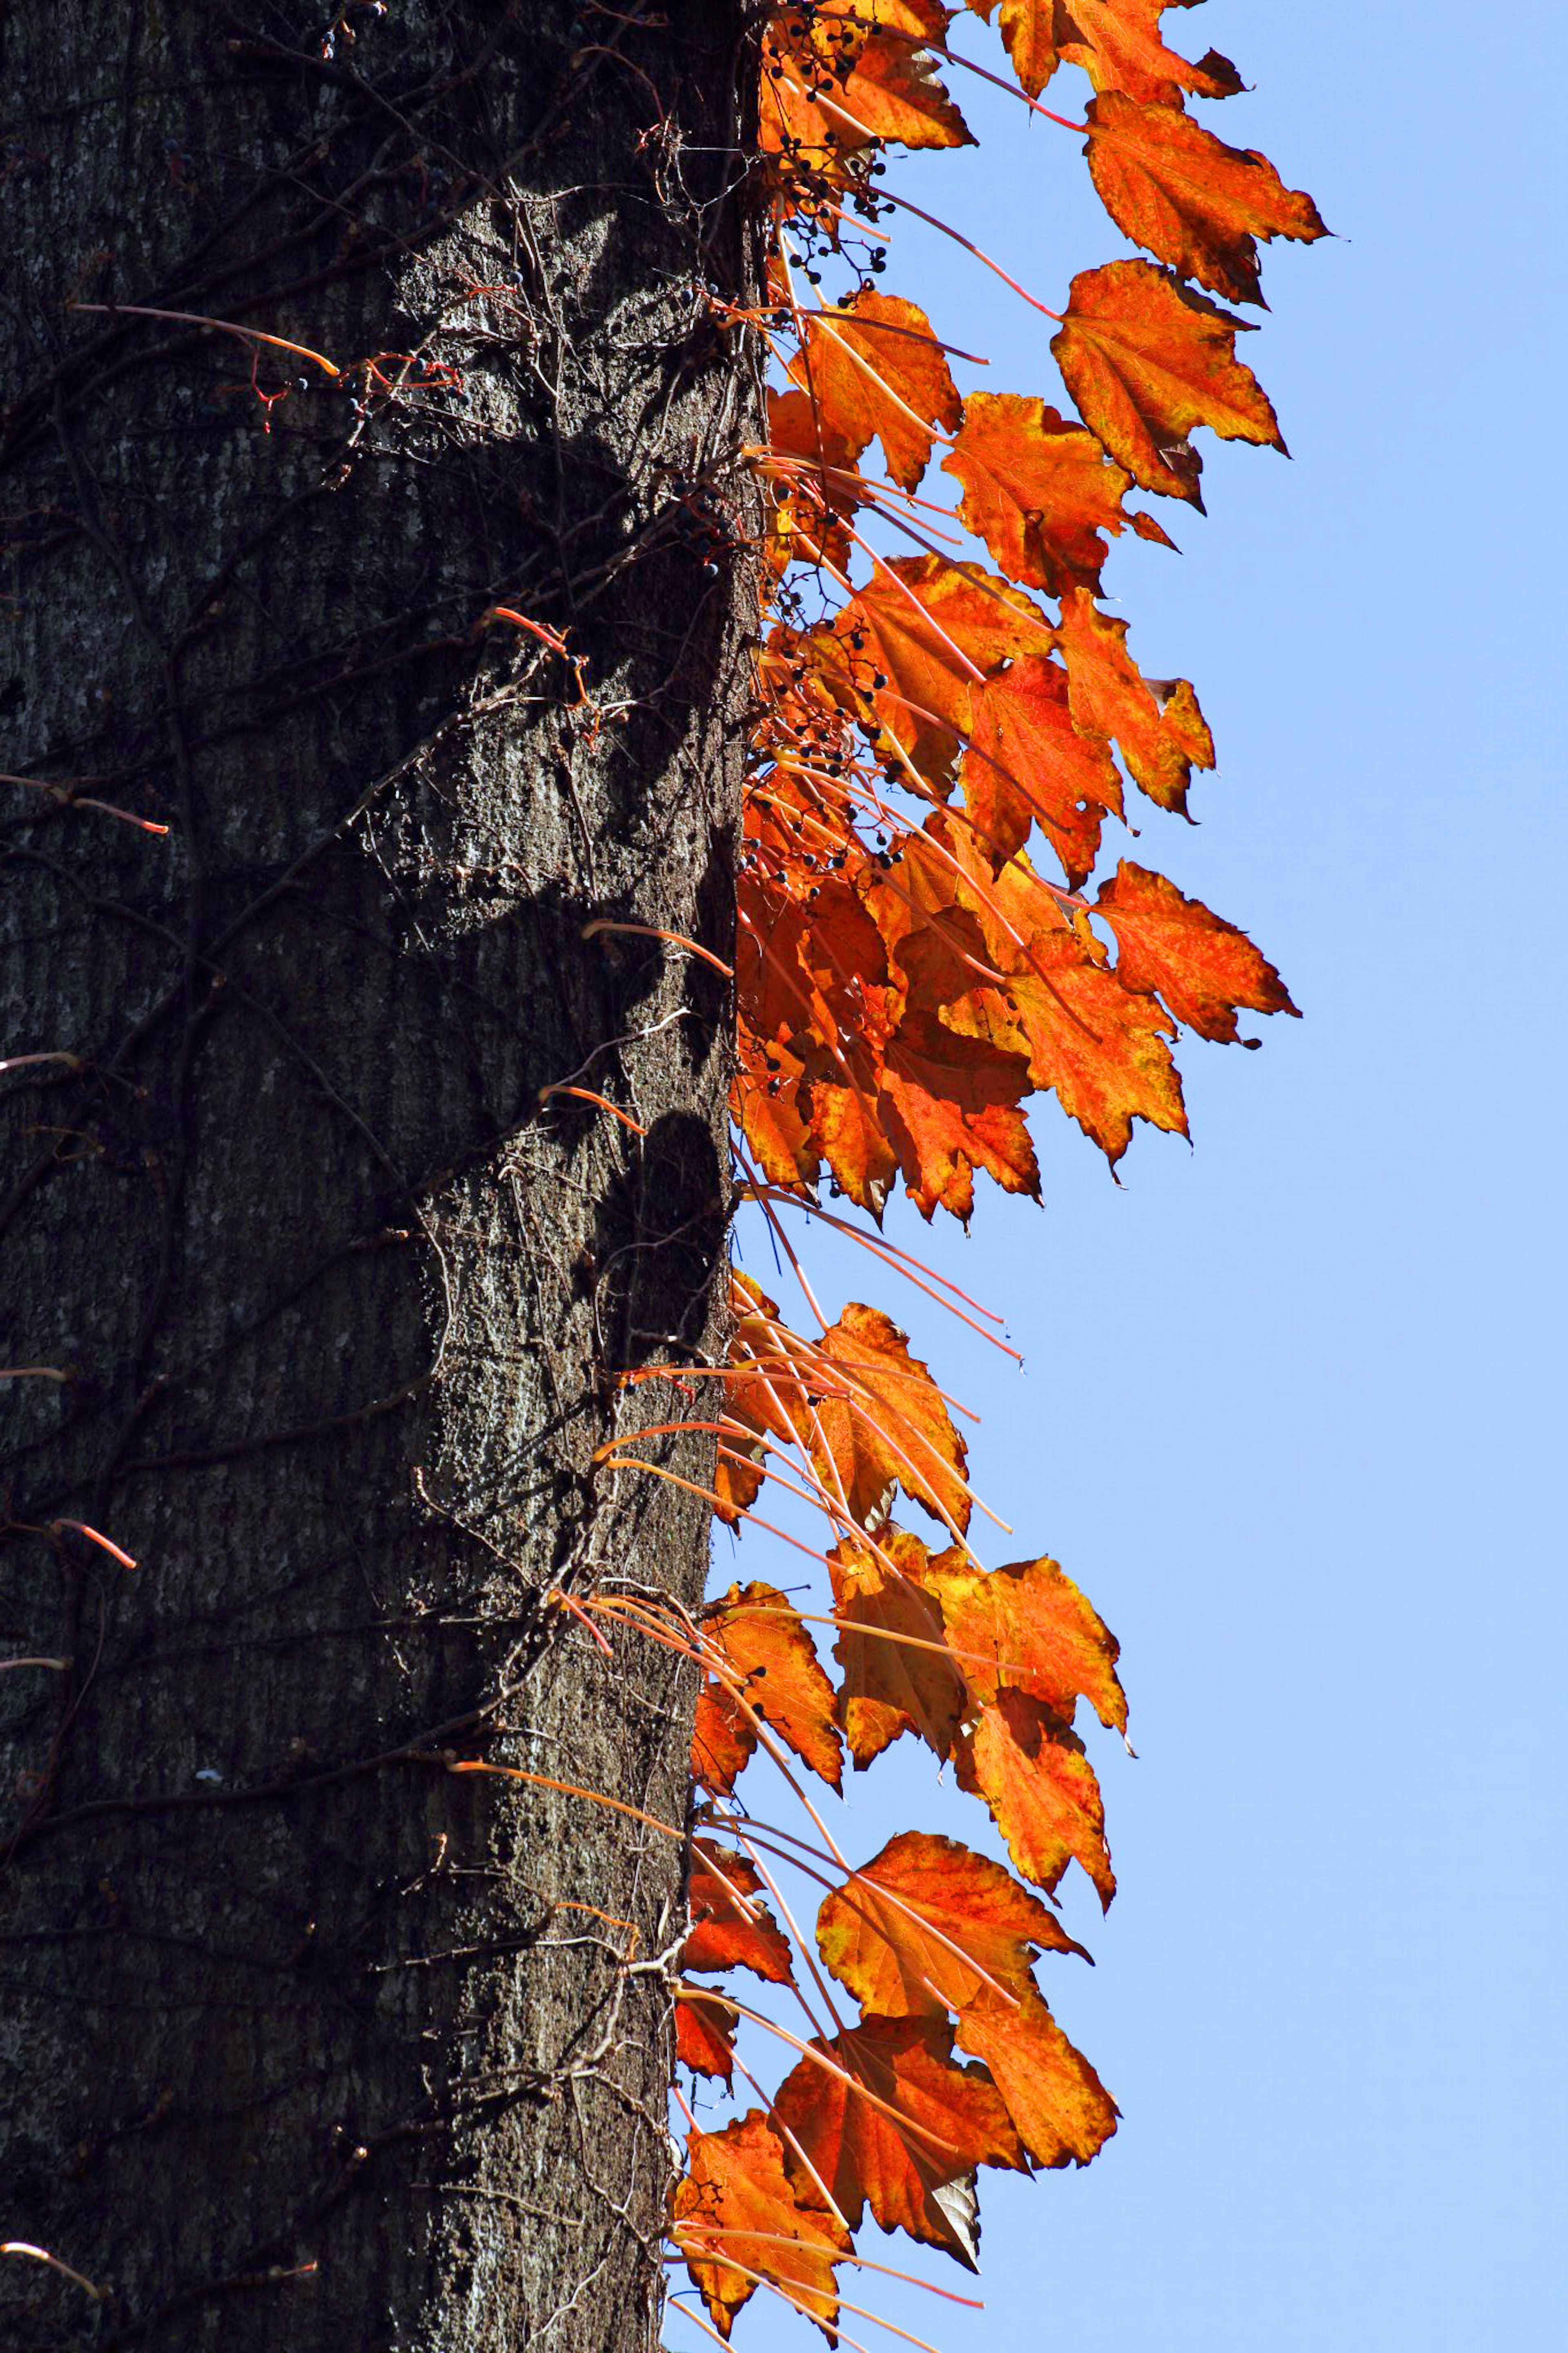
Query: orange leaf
736	2212
1196	203
913	2167
891	1686
730	1927
1031	1770
1204	967
1040	491
704	2034
1028	1625
876	373
1162	732
889	1933
1063	2112
768	1651
928	629
951	1105
889	1424
1101	1051
1147	362
1118	44
722	1740
1026	760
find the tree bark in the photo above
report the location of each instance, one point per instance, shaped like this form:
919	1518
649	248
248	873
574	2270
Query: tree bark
306	2039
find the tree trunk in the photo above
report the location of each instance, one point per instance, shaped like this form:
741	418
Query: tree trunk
304	2039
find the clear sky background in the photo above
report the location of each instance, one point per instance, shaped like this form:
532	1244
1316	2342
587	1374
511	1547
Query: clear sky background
1291	1408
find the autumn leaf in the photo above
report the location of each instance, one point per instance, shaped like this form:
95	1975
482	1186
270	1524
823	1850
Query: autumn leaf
1102	1052
1063	2113
889	1424
1028	762
1118	44
1204	967
767	1651
737	2213
1041	1789
1196	203
927	1926
876	372
951	1107
910	2166
898	1675
730	1926
1040	491
1028	1625
910	648
1148	362
704	2033
1156	723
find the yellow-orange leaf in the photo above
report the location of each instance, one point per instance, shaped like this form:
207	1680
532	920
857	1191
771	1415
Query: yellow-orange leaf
736	2214
768	1652
1028	1625
1063	2112
1118	44
951	1106
1039	491
897	1673
876	372
1031	1770
1204	967
1148	362
1156	722
1196	203
929	1926
910	2167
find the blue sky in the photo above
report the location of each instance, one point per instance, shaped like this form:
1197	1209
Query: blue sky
1291	1402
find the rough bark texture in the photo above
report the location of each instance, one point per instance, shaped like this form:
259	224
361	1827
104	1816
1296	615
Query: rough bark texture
304	2039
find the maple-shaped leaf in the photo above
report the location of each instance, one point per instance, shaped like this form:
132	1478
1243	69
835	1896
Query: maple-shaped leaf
737	2214
1196	203
831	88
1204	967
1030	1768
951	1106
1148	362
768	1652
705	2033
730	1926
1028	762
876	372
1100	1050
1118	44
927	1926
1156	723
912	644
898	1675
1040	491
1028	1625
899	2126
889	1423
1063	2112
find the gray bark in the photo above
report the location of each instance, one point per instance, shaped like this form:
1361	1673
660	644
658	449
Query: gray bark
305	2040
